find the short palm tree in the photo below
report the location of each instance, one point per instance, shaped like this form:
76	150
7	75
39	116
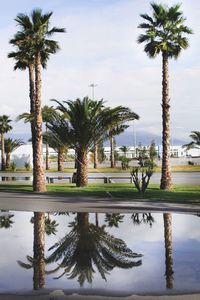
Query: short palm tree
165	33
10	146
4	128
85	125
87	247
6	221
124	149
33	38
195	136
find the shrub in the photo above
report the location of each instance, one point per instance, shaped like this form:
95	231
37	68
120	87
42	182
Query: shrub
27	166
142	173
13	166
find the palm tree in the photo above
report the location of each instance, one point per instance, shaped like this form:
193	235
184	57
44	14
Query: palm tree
57	141
87	123
10	146
113	131
167	218
195	136
124	149
87	246
4	128
33	37
48	114
165	33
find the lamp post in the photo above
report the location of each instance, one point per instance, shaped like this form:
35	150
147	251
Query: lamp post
92	85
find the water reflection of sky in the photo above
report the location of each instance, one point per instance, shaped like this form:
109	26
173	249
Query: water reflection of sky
17	243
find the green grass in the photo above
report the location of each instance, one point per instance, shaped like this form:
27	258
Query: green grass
180	193
184	168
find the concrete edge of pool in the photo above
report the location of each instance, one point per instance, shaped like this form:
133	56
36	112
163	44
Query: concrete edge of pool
59	295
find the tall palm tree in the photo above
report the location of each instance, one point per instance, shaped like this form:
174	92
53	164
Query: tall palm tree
4	128
195	136
87	246
165	33
167	218
10	146
33	36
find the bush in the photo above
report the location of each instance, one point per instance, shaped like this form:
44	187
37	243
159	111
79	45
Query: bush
190	163
27	166
141	174
13	166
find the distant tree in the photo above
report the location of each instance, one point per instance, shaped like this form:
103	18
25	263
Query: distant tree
10	146
195	136
152	151
4	128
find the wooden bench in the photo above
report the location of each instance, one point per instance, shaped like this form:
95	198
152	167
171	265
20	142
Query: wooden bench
50	179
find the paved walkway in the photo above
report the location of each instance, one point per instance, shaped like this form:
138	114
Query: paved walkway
54	203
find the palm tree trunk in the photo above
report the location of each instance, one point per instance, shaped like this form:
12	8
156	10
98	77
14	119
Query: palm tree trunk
95	156
39	178
38	251
3	162
61	160
166	178
82	168
112	152
8	160
47	149
32	108
167	217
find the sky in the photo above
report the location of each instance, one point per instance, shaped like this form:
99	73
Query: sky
100	46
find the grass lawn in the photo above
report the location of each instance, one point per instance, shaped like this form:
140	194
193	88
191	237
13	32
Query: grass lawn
182	168
180	193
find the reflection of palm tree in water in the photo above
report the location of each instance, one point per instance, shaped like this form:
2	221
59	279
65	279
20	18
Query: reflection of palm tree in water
6	221
142	218
87	246
38	260
167	217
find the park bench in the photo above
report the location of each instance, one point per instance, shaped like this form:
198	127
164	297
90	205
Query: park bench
50	179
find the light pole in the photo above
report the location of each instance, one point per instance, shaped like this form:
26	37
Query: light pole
92	85
134	137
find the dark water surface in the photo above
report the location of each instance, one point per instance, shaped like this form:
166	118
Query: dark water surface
127	253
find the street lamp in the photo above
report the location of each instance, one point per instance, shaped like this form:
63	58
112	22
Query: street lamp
92	85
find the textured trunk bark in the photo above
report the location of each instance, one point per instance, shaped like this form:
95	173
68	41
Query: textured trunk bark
38	251
39	178
95	156
3	162
32	108
61	160
167	217
166	178
112	152
47	149
7	160
82	168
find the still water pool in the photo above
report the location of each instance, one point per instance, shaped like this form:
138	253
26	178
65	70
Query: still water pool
135	253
